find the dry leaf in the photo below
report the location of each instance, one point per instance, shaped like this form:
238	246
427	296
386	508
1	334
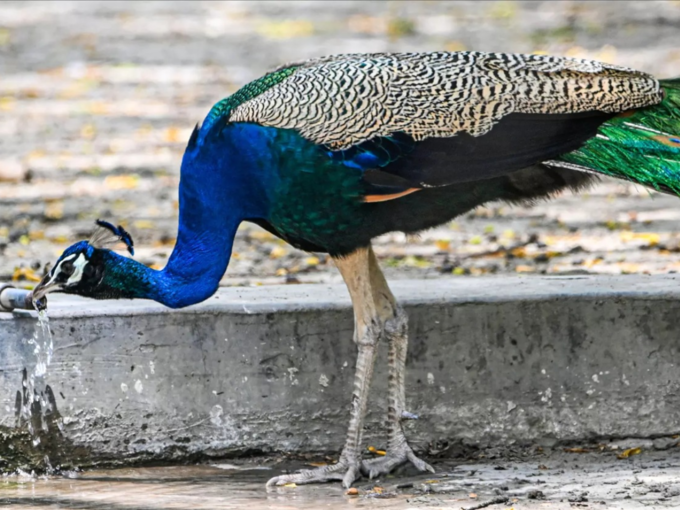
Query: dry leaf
576	450
277	252
144	224
172	134
130	181
352	491
651	238
286	29
88	131
375	451
472	495
629	453
25	273
443	245
290	485
54	210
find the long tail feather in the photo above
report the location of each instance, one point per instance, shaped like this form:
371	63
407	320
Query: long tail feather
642	145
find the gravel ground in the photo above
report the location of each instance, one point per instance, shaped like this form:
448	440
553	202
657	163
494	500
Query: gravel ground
97	100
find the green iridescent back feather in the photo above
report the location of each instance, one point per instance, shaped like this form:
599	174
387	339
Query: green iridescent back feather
223	108
643	147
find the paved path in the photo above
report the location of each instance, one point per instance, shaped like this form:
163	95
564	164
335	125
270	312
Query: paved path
97	100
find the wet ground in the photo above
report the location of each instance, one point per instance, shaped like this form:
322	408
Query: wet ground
560	480
97	100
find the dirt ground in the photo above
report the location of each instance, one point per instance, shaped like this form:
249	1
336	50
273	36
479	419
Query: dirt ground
97	100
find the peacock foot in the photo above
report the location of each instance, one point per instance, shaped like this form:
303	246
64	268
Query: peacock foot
344	470
393	458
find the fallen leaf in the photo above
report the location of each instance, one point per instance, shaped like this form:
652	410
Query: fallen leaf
130	181
277	252
455	46
442	244
651	238
54	210
472	495
261	236
286	29
290	485
172	134
144	224
88	131
629	453
352	491
312	261
375	451
576	450
7	103
26	274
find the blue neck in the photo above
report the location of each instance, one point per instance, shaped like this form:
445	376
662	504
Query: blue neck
224	180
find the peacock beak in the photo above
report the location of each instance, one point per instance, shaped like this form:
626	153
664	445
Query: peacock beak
46	285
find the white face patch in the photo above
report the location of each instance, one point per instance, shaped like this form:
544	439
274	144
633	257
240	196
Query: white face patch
55	272
78	266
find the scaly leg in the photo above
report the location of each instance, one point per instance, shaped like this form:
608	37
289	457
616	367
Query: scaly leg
398	450
366	286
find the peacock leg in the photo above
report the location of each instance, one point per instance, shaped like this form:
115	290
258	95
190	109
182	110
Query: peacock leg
398	449
373	305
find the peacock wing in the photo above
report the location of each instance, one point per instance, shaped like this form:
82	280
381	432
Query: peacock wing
461	116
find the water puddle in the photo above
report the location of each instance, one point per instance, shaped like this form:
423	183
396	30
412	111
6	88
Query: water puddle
179	488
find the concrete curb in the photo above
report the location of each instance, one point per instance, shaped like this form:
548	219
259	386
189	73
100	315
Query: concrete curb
492	361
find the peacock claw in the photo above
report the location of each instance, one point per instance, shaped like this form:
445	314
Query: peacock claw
343	470
392	459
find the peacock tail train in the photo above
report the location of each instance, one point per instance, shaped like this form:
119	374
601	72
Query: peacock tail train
641	146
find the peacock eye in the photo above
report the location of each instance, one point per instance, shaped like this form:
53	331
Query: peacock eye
67	267
88	271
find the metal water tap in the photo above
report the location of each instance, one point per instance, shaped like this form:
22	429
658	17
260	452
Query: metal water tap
12	298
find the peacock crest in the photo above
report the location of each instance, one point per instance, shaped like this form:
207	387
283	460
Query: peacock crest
107	234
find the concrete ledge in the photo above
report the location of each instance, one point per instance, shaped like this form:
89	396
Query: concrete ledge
492	361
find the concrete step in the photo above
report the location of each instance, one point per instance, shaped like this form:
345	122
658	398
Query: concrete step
493	361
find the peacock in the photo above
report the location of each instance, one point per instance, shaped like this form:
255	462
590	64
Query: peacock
329	153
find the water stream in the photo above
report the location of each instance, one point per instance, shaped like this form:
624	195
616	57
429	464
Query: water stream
34	402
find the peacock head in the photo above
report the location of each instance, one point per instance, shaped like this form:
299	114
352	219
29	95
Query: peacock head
84	266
